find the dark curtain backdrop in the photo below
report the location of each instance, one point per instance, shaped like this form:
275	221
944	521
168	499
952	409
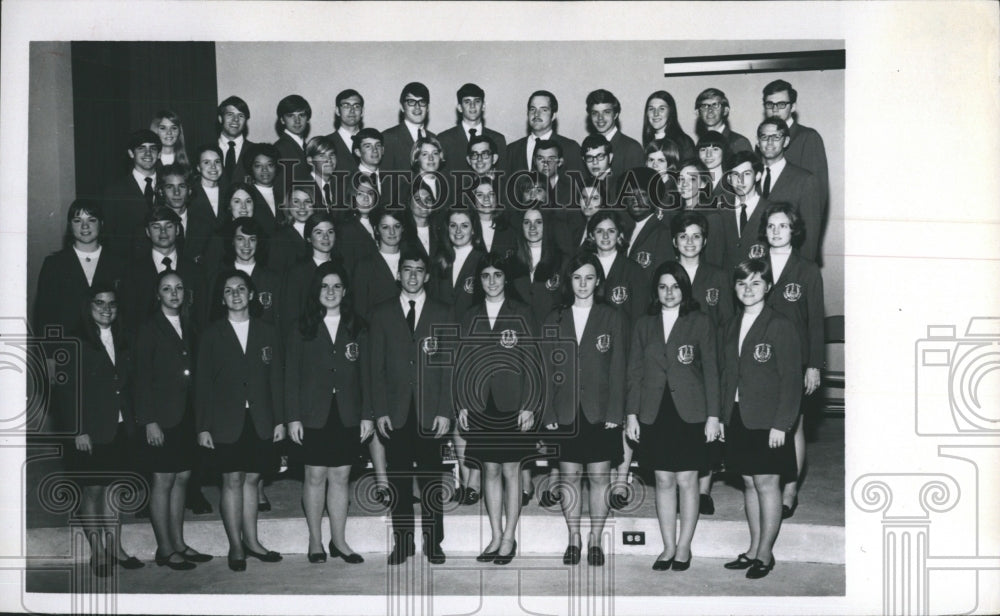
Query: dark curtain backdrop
118	86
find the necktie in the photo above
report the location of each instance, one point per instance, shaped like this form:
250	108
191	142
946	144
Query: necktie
148	192
230	161
743	217
472	133
420	133
411	316
767	182
327	195
167	262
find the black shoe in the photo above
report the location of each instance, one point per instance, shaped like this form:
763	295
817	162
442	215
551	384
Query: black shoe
681	566
706	506
572	555
164	561
198	504
400	552
193	556
237	564
351	559
458	495
269	556
663	565
526	498
471	496
129	563
435	555
317	557
618	501
787	512
549	498
99	567
595	556
382	496
741	562
758	569
264	506
504	559
488	555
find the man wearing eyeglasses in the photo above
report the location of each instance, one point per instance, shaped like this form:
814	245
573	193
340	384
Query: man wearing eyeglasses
348	119
598	155
455	141
603	110
712	107
805	145
783	182
414	103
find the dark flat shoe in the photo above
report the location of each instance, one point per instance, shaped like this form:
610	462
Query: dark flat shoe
100	567
317	557
269	556
526	498
571	556
787	512
194	556
471	496
706	506
351	559
164	561
264	506
129	563
549	498
488	556
618	501
741	562
663	565
400	552
458	495
595	556
758	569
435	555
681	565
504	559
382	496
237	564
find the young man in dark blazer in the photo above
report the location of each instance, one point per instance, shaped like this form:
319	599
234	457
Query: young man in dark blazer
232	115
411	405
782	181
455	141
805	145
603	110
399	140
292	127
368	152
712	108
743	210
349	113
542	109
128	199
650	243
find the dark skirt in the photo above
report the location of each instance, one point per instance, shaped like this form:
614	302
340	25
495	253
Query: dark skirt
104	464
177	453
585	443
747	451
333	444
249	454
493	437
672	444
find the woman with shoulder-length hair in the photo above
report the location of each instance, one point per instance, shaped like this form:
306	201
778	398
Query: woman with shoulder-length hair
660	122
164	360
761	391
239	409
324	364
167	125
587	408
673	404
106	422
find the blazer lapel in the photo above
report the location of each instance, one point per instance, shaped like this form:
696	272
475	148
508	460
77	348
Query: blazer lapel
759	325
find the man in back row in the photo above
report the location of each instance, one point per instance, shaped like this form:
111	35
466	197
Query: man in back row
542	109
455	141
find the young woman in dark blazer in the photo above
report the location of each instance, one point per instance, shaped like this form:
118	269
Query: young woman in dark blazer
799	296
239	409
288	245
673	404
246	248
106	422
591	198
761	391
499	234
694	186
239	200
321	237
324	362
355	226
498	356
660	122
454	282
164	375
587	407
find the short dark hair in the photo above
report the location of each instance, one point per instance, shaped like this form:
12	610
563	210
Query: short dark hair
415	88
738	158
346	94
162	212
776	122
553	101
746	269
141	136
602	96
237	102
675	269
685	219
259	149
713	138
594	141
249	226
780	85
293	103
80	206
365	133
481	139
208	147
470	89
549	144
576	262
412	254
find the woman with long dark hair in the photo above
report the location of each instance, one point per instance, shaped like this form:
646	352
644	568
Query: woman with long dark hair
660	122
323	403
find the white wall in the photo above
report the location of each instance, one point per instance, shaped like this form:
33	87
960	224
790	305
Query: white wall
263	73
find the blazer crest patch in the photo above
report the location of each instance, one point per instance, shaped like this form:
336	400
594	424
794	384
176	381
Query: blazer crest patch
508	338
644	258
757	251
793	291
604	343
712	296
266	354
685	354
469	286
619	294
762	352
351	351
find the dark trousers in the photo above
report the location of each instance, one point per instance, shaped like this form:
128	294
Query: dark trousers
410	454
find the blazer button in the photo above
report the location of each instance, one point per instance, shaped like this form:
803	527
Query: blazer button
117	392
334	390
184	352
187	372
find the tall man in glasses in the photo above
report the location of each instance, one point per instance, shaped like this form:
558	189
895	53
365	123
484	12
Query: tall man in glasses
349	113
783	182
805	145
399	140
712	107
